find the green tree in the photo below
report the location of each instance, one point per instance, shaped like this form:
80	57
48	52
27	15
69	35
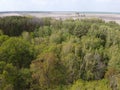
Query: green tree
94	65
81	29
48	71
3	38
17	51
9	74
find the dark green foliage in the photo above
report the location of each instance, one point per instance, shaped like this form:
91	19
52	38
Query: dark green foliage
14	79
14	26
2	66
9	73
81	29
24	76
16	51
49	54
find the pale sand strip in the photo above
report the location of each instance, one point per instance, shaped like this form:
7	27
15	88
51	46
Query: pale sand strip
65	15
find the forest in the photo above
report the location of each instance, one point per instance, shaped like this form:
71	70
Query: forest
50	54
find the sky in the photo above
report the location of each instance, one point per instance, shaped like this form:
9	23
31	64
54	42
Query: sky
60	5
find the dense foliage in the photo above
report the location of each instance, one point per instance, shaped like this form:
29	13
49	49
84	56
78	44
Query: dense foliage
14	25
49	54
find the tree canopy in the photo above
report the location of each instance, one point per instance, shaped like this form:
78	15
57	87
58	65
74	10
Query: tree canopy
50	54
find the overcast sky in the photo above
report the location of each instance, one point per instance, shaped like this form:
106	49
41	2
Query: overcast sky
60	5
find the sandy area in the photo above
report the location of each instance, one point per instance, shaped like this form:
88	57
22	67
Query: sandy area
9	14
67	15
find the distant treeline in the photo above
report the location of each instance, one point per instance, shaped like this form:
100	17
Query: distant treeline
15	25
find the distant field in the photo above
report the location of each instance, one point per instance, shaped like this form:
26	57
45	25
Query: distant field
66	15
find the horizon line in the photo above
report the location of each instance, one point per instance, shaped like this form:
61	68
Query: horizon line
61	11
